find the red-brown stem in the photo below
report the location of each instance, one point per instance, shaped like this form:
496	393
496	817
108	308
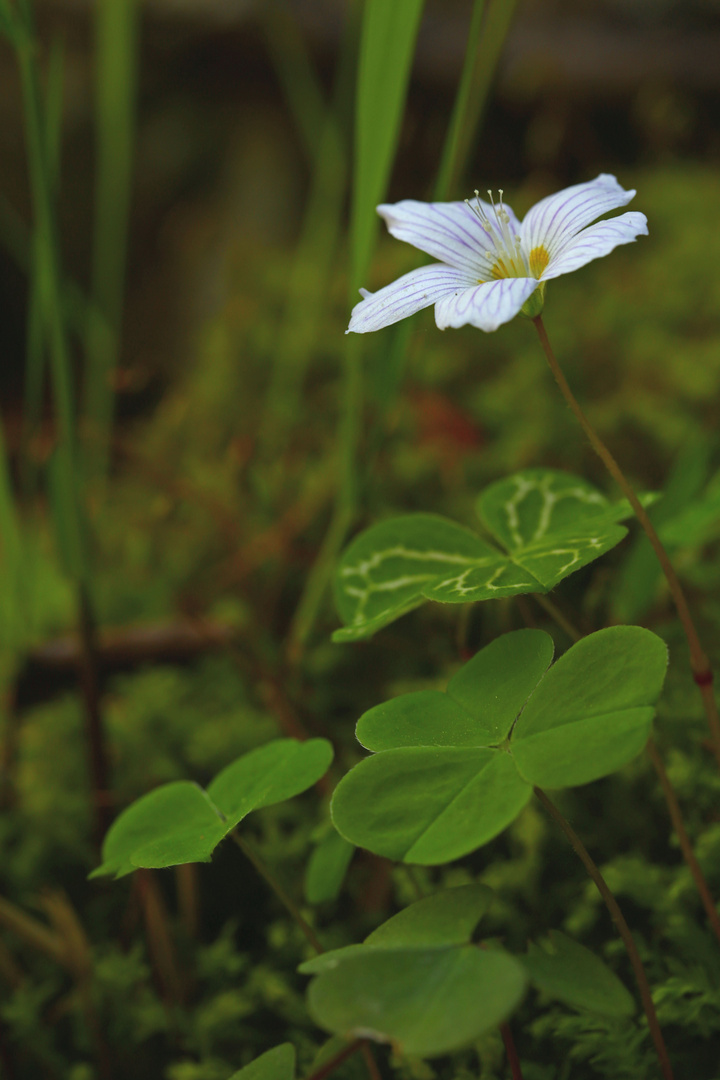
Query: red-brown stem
702	672
277	888
622	927
511	1052
337	1059
313	939
370	1062
683	838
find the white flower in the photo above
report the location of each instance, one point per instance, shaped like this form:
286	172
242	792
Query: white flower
491	264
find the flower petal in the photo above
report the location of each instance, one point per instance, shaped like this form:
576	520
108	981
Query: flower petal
596	241
410	293
486	306
555	220
450	232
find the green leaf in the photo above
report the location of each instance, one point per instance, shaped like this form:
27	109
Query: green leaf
445	779
272	773
386	49
448	917
549	523
571	973
180	823
423	718
584	750
592	711
495	684
275	1064
424	1001
428	805
173	824
523	509
479	707
620	667
390	569
327	867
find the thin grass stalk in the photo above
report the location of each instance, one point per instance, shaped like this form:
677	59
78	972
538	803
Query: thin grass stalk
11	554
35	329
64	473
312	265
496	24
386	50
297	76
465	109
486	36
116	31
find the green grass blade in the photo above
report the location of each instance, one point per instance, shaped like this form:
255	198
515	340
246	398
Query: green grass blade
458	137
116	31
11	556
472	99
387	44
35	352
54	97
45	281
294	69
314	258
488	30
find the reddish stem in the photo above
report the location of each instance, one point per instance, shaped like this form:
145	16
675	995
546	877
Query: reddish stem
512	1054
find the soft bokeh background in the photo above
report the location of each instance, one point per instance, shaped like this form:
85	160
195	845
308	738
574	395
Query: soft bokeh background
223	464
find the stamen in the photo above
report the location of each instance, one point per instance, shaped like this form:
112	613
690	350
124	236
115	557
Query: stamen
510	260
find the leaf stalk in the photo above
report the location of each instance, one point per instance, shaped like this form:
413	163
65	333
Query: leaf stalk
622	927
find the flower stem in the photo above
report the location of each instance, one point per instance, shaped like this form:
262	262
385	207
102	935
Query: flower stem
622	927
702	672
683	838
277	888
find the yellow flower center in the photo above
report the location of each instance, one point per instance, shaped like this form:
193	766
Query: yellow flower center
538	260
507	260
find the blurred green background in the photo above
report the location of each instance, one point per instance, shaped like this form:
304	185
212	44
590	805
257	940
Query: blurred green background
188	438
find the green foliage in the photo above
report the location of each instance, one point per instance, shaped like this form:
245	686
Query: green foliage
427	1002
386	51
565	970
547	525
430	799
416	982
327	867
200	524
275	1064
181	823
